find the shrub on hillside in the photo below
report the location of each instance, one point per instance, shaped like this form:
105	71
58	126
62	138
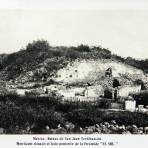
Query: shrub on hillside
141	98
104	103
92	116
72	54
82	48
39	45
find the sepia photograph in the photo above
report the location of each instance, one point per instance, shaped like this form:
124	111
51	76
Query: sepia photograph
74	67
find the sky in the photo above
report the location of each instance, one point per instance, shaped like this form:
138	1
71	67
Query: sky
120	27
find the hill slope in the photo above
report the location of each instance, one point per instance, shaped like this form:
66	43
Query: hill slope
41	62
94	70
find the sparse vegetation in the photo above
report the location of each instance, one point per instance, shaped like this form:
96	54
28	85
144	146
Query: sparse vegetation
141	98
19	113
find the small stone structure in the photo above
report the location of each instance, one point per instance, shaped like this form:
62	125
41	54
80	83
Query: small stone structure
112	91
130	104
140	108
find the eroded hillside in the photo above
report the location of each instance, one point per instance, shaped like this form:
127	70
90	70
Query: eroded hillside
94	70
39	62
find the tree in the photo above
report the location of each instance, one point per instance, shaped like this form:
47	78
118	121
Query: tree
39	45
83	48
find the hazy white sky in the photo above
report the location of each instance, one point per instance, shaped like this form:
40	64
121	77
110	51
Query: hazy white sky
122	27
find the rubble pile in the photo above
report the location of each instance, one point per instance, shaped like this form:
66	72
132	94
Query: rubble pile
70	128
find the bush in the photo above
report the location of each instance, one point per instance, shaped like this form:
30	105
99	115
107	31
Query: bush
141	98
84	117
72	54
39	45
87	117
104	103
83	48
11	115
